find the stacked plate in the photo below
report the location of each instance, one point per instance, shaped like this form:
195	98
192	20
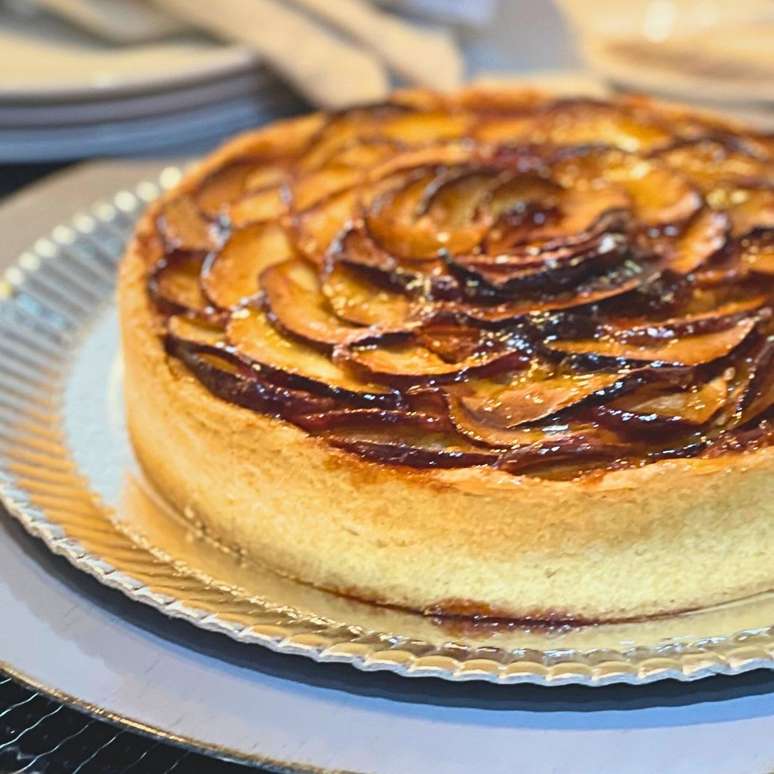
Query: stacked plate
67	95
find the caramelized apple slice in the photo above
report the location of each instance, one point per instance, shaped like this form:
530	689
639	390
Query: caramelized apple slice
695	405
398	438
559	271
345	169
530	395
659	194
517	191
295	302
183	227
251	334
708	161
195	330
227	376
411	361
584	121
230	275
755	393
174	285
620	279
568	453
758	251
681	350
356	299
749	208
229	183
342	130
267	204
701	240
317	227
429	213
415	128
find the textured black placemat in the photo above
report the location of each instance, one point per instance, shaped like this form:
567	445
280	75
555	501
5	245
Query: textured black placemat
41	736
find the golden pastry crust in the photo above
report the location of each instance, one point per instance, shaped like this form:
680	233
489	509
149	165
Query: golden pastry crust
671	535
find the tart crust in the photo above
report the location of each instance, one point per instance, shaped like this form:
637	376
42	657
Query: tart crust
668	536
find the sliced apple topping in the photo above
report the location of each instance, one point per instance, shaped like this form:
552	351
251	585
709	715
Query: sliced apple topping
266	204
694	405
614	282
412	361
183	227
546	286
703	237
748	208
317	227
399	438
758	251
174	285
530	395
230	275
355	298
415	128
663	344
230	183
755	390
708	160
252	334
195	330
427	214
226	375
659	194
295	302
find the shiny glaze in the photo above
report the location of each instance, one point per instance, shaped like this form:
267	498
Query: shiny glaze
553	288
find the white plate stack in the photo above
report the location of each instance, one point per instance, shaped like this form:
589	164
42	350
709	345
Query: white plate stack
66	94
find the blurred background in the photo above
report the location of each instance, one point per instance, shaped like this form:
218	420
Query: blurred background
83	79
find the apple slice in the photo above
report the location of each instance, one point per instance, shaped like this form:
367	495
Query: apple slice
758	251
568	454
175	288
398	438
708	160
748	207
703	237
415	128
637	344
556	273
658	409
266	204
530	395
299	365
195	330
342	130
295	303
228	184
620	279
227	376
316	228
356	299
585	121
346	168
409	361
230	275
755	393
430	212
183	227
659	194
564	220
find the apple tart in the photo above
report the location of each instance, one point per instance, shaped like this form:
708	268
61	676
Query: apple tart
492	354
